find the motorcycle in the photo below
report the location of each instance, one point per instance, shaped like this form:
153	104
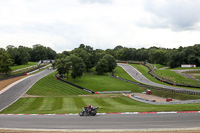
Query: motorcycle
86	111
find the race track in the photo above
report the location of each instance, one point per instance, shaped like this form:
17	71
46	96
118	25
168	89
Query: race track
17	90
135	74
112	121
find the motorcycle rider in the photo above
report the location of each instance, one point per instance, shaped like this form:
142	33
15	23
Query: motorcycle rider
89	108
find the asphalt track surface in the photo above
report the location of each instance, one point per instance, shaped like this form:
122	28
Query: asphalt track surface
112	121
135	74
16	91
106	121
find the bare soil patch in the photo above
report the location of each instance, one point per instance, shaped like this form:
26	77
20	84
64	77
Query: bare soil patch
7	82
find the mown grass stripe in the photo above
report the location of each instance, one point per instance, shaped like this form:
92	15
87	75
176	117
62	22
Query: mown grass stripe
79	103
122	101
36	104
47	104
102	103
91	101
58	103
49	86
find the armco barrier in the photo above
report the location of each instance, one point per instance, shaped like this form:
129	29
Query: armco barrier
150	72
38	69
159	88
161	103
21	74
87	90
111	92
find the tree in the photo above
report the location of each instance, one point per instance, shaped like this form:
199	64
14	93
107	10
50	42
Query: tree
102	66
98	55
192	59
51	54
78	67
22	55
85	56
5	62
111	62
38	53
18	55
63	65
12	51
176	59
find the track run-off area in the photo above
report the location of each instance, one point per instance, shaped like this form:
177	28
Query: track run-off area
103	121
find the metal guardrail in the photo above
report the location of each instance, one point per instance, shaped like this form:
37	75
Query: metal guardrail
162	79
162	103
159	88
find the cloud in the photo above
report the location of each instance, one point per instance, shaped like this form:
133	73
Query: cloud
174	14
96	1
64	24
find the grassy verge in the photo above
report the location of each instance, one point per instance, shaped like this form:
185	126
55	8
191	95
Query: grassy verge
23	66
60	105
197	77
104	83
173	76
180	96
158	66
50	86
192	72
121	73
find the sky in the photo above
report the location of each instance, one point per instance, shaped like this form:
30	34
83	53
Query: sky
101	24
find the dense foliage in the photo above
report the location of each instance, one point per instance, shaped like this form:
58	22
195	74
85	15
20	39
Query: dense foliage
90	57
164	56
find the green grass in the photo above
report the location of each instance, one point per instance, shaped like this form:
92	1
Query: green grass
50	86
104	83
158	66
121	73
183	68
58	97
61	105
192	72
169	74
197	77
180	96
23	66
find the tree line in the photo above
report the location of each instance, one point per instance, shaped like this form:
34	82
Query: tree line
164	56
22	55
102	59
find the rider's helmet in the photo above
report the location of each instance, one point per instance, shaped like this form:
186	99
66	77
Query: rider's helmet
90	106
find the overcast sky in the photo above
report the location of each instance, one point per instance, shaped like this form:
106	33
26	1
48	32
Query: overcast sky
102	24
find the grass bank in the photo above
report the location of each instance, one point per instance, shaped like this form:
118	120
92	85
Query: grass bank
23	66
50	86
61	105
104	82
56	97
